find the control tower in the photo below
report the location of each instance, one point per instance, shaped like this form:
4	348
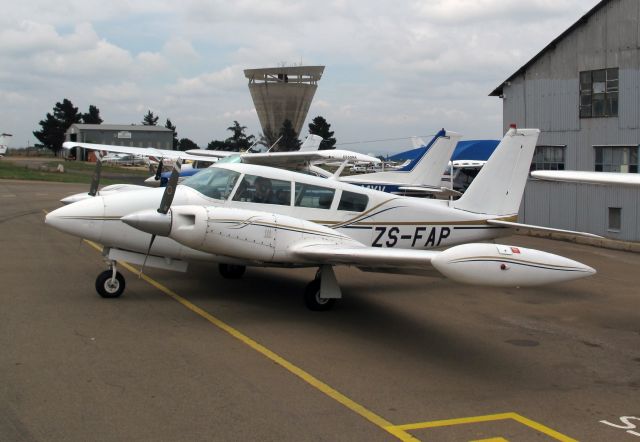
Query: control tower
283	93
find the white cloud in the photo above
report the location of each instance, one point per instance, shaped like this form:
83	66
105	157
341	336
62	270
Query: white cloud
393	68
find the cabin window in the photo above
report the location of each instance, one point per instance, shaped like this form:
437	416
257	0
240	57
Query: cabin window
353	202
213	182
308	195
599	93
548	158
257	189
616	159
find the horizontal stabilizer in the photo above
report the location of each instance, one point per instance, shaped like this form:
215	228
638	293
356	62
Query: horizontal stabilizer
513	225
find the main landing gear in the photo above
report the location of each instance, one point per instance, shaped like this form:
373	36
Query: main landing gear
321	293
110	283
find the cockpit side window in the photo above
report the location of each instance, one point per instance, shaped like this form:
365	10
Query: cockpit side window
354	202
258	189
308	195
213	182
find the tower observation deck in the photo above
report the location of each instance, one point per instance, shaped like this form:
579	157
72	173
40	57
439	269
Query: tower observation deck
283	93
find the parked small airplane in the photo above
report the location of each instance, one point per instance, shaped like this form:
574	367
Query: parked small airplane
3	143
239	215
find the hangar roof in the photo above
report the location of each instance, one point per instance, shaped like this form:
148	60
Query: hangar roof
498	91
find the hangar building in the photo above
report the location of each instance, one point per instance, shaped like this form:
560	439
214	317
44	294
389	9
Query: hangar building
583	92
121	135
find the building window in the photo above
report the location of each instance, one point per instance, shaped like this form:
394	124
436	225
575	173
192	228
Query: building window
615	218
616	159
599	93
548	158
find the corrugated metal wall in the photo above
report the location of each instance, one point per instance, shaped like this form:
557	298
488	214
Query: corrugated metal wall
546	96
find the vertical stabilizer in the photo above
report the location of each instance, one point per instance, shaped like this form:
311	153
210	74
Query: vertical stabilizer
424	170
498	188
312	143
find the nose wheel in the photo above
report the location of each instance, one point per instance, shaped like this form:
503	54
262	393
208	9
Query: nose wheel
110	283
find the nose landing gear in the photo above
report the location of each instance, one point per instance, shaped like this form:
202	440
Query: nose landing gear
110	283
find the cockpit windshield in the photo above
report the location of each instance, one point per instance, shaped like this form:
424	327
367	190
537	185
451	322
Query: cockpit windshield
213	182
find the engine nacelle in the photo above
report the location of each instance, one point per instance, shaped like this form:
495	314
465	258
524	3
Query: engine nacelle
506	266
245	234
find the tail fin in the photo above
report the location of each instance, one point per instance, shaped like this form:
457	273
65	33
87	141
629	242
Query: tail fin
311	143
424	170
498	188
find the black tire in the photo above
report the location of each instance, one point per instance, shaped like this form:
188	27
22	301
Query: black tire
312	298
105	288
232	271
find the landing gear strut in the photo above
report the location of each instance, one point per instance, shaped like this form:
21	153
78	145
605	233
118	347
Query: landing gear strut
231	271
321	293
110	283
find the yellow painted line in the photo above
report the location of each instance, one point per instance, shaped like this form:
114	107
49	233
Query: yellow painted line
489	418
305	376
492	439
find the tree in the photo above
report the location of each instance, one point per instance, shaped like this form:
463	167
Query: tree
238	141
217	145
93	116
186	144
170	126
289	140
54	126
149	119
320	127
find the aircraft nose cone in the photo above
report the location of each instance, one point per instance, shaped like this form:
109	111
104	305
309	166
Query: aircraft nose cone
83	218
149	221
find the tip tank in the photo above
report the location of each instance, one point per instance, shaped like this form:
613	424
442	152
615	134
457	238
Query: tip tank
507	266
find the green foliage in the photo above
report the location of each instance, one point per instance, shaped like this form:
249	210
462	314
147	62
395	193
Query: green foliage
217	145
149	119
186	144
320	127
170	126
93	116
53	127
289	138
239	140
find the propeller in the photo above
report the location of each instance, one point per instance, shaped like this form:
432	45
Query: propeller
159	169
165	203
95	179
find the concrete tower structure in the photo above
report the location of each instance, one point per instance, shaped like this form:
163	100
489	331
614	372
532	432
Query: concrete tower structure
283	93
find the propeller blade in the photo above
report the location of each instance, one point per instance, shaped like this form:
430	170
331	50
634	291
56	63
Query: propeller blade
159	169
153	238
169	191
95	179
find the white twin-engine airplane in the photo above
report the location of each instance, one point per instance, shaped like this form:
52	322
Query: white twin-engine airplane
239	215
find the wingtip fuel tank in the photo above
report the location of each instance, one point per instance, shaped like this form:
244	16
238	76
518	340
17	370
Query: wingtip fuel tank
507	266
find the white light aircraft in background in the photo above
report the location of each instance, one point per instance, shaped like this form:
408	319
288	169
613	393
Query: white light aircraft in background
3	143
421	176
293	160
239	215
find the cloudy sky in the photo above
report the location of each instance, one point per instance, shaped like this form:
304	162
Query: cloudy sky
393	68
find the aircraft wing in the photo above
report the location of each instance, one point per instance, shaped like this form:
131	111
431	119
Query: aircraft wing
472	263
301	158
144	151
575	176
337	254
204	153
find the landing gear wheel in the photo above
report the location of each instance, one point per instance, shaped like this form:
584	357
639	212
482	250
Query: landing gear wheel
312	298
231	271
108	288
